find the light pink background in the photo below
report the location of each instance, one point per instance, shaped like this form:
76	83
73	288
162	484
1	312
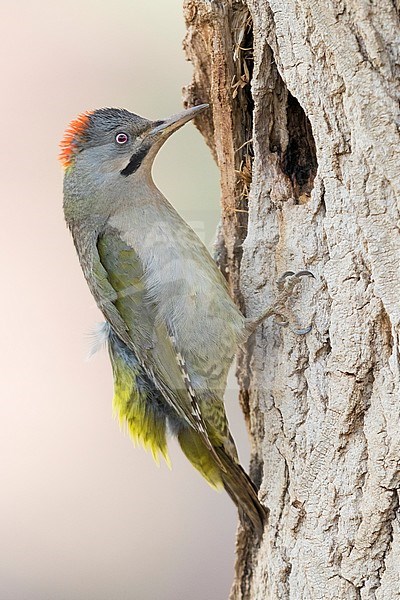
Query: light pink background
85	515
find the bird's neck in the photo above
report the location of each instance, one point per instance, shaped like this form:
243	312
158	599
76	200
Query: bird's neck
144	210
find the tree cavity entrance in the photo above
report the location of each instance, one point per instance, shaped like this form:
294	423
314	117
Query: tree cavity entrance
299	160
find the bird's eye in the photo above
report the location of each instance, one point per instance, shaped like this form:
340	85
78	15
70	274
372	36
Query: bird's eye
121	138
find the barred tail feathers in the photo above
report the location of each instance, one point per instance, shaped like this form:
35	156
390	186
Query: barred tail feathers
243	492
234	479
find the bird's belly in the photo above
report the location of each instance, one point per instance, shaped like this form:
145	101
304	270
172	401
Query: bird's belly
206	326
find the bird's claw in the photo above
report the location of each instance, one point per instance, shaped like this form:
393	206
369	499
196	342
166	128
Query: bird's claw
294	275
305	273
286	286
297	331
302	331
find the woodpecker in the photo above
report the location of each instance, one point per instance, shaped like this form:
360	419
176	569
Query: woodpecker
171	326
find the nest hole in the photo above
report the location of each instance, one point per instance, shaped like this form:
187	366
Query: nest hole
299	161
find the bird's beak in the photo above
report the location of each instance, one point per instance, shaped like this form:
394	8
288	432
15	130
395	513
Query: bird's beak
176	121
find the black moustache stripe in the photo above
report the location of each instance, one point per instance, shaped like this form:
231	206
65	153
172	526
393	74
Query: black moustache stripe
135	161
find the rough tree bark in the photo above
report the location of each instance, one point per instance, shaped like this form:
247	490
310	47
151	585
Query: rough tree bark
305	130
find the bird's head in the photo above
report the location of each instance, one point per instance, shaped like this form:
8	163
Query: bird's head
112	140
106	153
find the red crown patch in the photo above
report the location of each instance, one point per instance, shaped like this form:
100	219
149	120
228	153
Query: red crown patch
68	143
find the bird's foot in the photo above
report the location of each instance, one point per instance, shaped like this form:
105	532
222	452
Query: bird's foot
286	284
283	316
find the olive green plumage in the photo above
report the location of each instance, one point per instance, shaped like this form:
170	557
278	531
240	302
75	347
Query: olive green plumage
172	329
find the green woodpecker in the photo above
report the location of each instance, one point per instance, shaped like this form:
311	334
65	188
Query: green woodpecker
171	327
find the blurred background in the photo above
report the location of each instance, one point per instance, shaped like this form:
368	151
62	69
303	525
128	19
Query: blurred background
84	514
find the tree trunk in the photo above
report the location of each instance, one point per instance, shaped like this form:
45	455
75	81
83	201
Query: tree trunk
305	130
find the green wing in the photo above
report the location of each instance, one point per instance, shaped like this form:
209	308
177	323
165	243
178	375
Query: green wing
119	278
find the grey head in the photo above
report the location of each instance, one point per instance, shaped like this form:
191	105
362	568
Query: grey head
119	137
109	149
